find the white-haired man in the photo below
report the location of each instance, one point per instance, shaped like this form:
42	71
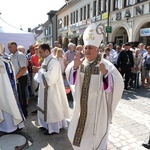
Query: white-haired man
19	62
112	51
70	54
94	82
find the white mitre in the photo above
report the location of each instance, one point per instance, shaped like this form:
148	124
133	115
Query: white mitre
93	35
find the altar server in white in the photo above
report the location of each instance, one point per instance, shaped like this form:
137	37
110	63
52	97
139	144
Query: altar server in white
53	108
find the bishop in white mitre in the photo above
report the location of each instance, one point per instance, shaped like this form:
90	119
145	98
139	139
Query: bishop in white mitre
97	87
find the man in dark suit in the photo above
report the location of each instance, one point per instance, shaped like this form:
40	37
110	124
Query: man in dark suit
125	64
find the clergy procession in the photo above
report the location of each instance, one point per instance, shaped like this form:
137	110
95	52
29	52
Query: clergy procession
93	75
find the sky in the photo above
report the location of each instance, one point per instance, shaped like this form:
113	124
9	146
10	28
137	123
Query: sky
27	13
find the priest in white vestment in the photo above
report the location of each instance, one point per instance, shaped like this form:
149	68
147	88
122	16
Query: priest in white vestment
97	87
53	108
11	116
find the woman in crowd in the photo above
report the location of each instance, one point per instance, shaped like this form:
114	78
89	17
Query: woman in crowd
79	48
108	55
137	58
146	69
61	59
35	62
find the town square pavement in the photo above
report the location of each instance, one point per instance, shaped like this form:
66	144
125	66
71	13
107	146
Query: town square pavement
130	125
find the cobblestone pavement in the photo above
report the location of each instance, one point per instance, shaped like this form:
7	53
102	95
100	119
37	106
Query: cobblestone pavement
129	129
131	122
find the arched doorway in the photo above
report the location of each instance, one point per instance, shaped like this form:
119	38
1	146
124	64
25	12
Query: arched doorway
121	36
143	38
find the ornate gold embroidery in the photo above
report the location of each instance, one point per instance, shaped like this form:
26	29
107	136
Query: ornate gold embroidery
89	70
90	36
45	91
45	97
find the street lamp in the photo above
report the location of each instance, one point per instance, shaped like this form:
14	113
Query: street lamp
108	21
128	16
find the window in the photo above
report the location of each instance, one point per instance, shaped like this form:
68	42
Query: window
88	11
71	18
84	12
46	31
116	4
127	3
140	0
99	6
94	8
80	14
76	15
105	6
60	23
67	20
49	30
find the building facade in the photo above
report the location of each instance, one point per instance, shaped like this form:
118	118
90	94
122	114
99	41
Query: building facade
129	20
122	20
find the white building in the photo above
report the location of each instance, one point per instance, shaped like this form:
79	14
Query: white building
129	18
123	20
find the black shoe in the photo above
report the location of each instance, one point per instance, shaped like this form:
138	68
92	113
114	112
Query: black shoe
26	114
126	88
42	128
146	146
34	112
46	133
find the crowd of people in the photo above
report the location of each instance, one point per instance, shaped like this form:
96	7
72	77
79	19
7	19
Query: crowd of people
92	73
131	63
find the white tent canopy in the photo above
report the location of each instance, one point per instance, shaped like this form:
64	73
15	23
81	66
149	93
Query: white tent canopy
9	33
20	38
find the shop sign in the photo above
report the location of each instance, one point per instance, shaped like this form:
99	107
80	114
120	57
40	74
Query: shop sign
108	29
72	25
64	28
98	17
139	10
93	19
105	15
77	24
84	22
80	23
145	32
118	16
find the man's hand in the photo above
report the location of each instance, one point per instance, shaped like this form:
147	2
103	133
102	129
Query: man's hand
77	61
21	72
35	69
102	68
119	69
